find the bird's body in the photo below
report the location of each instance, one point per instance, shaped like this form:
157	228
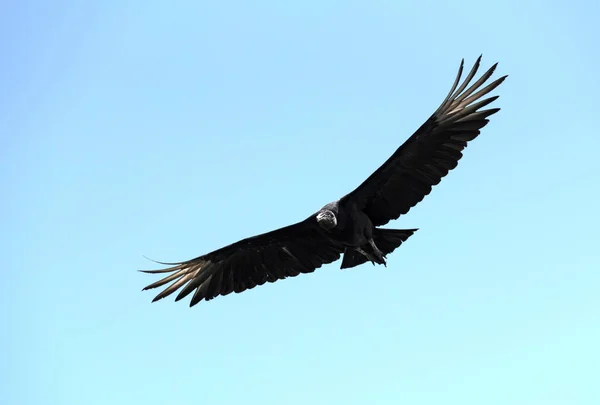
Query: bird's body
352	230
350	226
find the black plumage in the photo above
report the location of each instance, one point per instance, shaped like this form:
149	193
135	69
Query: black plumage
350	225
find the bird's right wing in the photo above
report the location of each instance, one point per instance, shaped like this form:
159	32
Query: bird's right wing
272	256
430	153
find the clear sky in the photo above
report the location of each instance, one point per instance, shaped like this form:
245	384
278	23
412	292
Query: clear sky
169	129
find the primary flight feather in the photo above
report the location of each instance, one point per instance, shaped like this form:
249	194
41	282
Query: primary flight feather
349	226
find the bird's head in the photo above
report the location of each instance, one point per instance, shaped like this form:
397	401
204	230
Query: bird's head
326	219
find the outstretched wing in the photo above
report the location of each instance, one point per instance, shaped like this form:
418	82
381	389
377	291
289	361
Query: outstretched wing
272	256
430	153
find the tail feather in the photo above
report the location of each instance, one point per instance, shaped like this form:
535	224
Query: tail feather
387	240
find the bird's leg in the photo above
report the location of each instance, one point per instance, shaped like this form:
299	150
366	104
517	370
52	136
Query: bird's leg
378	254
367	255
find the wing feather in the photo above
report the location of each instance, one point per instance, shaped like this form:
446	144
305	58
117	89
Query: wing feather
272	256
431	152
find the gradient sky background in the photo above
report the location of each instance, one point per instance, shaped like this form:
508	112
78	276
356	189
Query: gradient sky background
169	129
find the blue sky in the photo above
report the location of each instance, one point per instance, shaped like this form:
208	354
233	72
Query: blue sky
169	129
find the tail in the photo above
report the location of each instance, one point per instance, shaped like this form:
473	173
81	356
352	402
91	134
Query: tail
387	240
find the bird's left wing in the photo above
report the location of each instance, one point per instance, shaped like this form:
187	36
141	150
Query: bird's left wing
272	256
430	153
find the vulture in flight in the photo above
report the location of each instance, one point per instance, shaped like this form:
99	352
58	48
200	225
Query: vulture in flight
351	226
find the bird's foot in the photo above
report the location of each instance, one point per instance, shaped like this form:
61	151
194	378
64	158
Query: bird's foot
378	254
369	256
380	258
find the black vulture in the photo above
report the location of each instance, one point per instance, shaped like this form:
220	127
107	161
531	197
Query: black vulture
351	225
